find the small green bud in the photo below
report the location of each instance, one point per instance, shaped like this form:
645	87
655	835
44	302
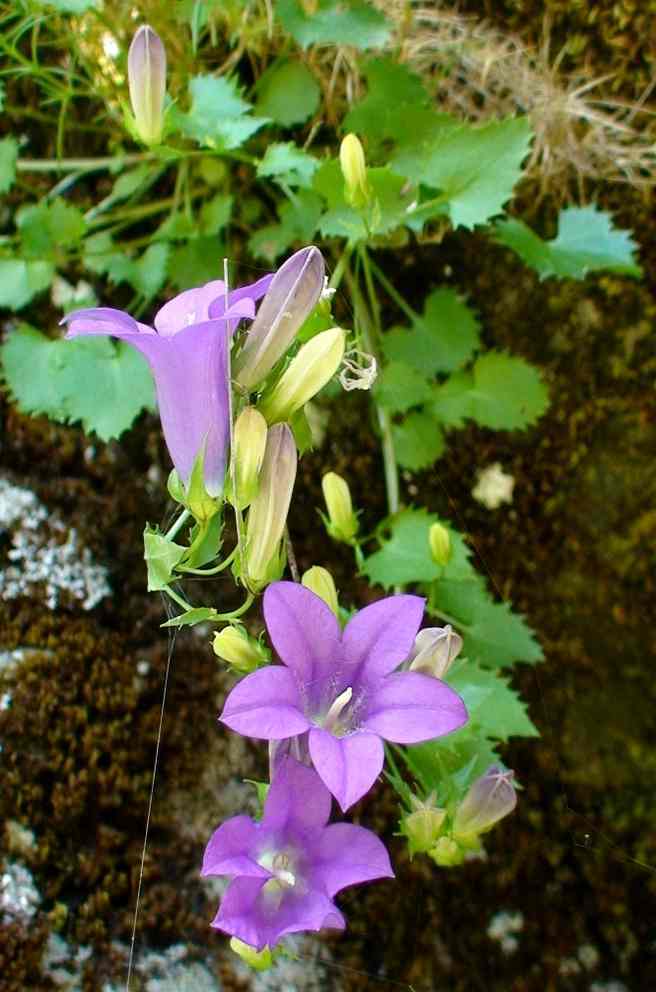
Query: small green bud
197	499
259	960
307	373
440	544
239	650
446	853
342	521
422	828
175	487
322	584
250	436
354	169
147	84
268	511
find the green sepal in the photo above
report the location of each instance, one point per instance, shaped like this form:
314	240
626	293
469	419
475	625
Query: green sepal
161	556
198	500
175	487
190	617
205	542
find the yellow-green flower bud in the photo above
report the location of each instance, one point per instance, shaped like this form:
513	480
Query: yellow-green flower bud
422	828
307	373
239	650
268	511
435	650
322	584
147	84
259	960
342	522
354	169
175	487
250	436
446	853
440	544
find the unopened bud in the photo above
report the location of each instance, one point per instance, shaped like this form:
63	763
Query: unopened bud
342	522
147	84
202	505
422	828
440	544
446	853
434	651
307	373
294	292
354	170
489	799
175	487
268	511
235	646
250	436
321	583
259	960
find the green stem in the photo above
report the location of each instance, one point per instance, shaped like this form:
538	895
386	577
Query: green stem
177	599
177	524
393	292
448	618
239	611
81	164
209	571
340	268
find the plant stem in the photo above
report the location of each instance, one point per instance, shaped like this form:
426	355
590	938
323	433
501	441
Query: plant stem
177	524
209	571
177	599
393	292
81	164
239	611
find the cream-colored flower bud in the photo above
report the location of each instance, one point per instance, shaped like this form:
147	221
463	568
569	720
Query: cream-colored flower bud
488	800
439	540
147	84
268	511
250	436
342	523
321	583
435	650
307	373
354	169
235	646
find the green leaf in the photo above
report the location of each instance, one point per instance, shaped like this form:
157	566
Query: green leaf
475	167
69	6
448	766
441	340
219	115
215	214
494	708
503	392
405	556
298	223
45	227
388	209
102	256
400	387
196	262
8	156
149	272
392	92
418	441
190	617
20	280
288	165
586	242
128	183
493	635
105	385
288	93
162	556
335	22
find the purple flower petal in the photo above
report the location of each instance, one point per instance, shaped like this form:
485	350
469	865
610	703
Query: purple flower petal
348	855
266	704
305	633
100	320
297	798
349	766
380	637
187	308
239	913
254	291
407	708
227	852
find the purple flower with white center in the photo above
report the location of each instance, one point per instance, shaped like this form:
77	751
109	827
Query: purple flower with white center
187	351
341	689
287	868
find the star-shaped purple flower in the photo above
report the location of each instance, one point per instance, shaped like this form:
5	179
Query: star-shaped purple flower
287	868
187	352
341	688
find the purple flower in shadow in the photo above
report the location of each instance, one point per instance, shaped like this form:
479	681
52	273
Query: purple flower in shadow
341	688
287	868
187	351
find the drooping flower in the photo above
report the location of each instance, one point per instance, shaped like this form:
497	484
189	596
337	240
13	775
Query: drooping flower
187	350
435	649
286	869
341	688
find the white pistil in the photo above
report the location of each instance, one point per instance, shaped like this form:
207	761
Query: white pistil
331	718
